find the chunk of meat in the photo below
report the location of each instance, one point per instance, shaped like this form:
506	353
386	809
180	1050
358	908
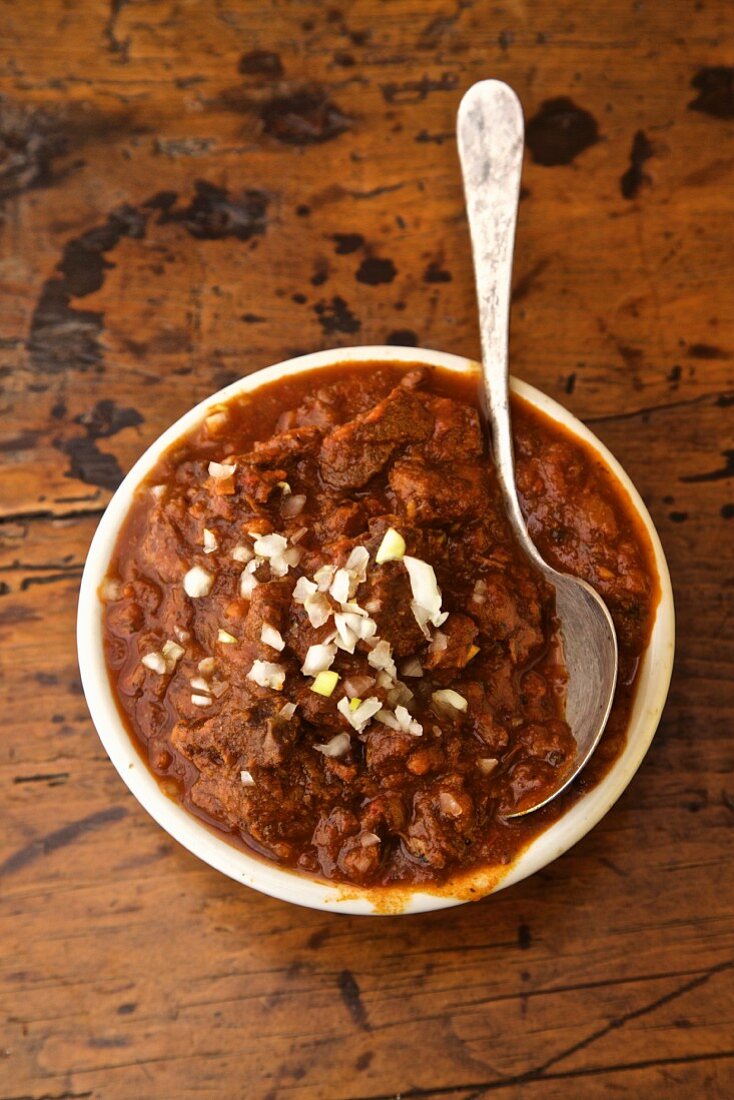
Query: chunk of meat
387	749
330	834
457	433
442	823
238	736
269	603
452	644
356	451
387	595
429	494
510	608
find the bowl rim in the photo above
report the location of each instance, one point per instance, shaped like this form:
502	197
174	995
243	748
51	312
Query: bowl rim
285	884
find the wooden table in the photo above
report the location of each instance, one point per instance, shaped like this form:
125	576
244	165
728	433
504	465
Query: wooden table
191	191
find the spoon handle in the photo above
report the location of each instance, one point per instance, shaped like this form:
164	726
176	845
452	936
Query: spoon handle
490	138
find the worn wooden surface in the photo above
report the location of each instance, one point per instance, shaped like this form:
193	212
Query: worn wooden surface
191	191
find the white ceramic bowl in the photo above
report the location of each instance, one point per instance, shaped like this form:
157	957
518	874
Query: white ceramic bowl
652	688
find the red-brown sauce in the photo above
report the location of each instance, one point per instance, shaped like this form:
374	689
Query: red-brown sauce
370	447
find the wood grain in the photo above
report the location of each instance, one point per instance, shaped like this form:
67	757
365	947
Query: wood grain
191	191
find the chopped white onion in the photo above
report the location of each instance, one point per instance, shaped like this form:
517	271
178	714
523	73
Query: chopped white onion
324	576
347	626
411	666
340	587
399	694
407	722
361	715
287	710
338	746
172	652
225	637
384	680
181	634
242	553
354	608
357	563
221	471
293	505
207	665
111	588
156	662
201	700
439	643
292	556
298	535
479	595
284	488
487	764
211	542
381	657
246	779
157	491
450	698
272	637
318	609
303	589
358	686
387	718
248	584
392	547
267	674
197	582
449	805
318	659
198	683
369	840
270	546
216	420
426	593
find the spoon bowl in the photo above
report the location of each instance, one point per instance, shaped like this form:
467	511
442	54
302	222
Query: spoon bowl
490	139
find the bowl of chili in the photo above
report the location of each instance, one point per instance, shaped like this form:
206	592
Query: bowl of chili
211	626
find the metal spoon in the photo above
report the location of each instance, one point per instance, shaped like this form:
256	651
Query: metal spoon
490	138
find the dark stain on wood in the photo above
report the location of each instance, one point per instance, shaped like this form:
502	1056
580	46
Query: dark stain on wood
336	316
423	137
727	511
707	351
60	838
415	91
264	64
107	418
304	117
30	142
214	214
402	338
559	131
524	937
352	997
632	180
119	47
62	336
436	273
715	87
375	270
347	243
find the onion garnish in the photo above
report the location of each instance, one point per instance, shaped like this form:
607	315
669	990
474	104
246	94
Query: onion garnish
211	542
487	764
426	593
156	662
197	582
392	547
172	653
358	686
207	665
318	659
381	658
242	553
325	683
407	722
287	711
267	674
340	586
225	637
221	471
359	716
412	667
272	637
201	700
338	746
369	840
449	805
447	697
246	779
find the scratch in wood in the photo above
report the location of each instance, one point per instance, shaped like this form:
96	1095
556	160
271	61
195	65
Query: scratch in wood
352	997
687	403
55	779
47	513
60	838
725	471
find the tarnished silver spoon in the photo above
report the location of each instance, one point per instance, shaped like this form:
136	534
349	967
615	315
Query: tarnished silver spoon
490	134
